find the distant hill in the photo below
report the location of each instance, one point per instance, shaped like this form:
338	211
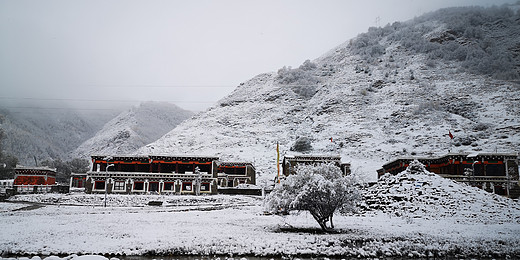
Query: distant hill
132	129
393	91
46	133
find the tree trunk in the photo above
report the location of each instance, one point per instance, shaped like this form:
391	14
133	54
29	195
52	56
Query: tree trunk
323	225
322	221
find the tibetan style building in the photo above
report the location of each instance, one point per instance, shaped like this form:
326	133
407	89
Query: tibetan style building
165	174
493	172
77	181
289	162
231	174
34	179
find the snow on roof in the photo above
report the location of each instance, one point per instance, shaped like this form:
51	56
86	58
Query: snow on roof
469	155
37	168
146	157
313	157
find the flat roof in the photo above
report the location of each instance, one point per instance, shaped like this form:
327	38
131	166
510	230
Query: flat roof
36	168
153	157
465	154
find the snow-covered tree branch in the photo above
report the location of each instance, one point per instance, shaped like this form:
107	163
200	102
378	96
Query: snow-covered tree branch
320	189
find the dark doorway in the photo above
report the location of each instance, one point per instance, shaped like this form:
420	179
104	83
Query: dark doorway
154	186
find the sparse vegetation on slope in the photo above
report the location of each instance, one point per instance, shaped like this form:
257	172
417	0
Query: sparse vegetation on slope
483	40
368	106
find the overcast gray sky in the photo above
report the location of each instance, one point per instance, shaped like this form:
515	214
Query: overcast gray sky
189	52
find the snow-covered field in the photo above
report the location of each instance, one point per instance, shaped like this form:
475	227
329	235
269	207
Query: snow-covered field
237	226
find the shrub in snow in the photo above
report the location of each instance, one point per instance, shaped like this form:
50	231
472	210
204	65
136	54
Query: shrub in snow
320	189
481	126
302	144
302	79
464	107
367	45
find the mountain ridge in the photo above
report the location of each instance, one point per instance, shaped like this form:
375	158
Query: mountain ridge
33	135
133	128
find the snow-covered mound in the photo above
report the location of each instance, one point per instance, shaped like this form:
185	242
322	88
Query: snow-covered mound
391	92
133	128
418	193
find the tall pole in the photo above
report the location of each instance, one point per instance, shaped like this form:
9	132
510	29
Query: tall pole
278	160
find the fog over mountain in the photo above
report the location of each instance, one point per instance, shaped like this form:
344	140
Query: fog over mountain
35	132
393	91
132	129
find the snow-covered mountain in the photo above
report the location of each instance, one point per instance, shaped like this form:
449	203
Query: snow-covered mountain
35	132
393	91
133	128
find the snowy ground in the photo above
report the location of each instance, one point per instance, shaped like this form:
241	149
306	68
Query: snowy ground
236	225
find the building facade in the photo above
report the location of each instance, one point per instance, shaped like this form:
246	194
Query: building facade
34	179
493	172
165	174
291	161
6	185
232	174
77	181
155	174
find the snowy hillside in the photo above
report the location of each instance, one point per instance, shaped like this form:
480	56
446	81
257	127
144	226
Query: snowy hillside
133	128
46	133
393	91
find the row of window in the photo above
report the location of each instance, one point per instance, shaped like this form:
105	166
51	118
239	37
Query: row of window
231	182
152	186
33	188
172	168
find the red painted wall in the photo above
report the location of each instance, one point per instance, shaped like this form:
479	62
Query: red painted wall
34	180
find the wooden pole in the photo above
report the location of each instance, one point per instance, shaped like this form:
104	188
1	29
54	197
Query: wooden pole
278	160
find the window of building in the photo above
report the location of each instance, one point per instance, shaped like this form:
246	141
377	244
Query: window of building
142	167
99	185
153	186
204	168
168	186
119	185
204	186
234	170
183	168
186	186
139	185
495	170
166	167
